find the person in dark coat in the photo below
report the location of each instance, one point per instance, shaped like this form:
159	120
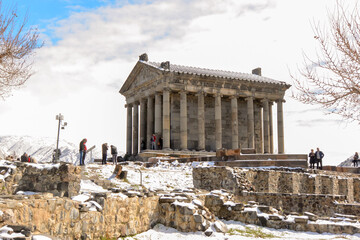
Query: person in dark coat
82	151
356	159
319	156
114	153
312	159
104	149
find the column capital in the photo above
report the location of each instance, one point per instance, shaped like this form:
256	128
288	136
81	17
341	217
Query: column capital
264	100
249	98
271	102
218	94
234	96
128	105
167	89
136	102
280	100
200	93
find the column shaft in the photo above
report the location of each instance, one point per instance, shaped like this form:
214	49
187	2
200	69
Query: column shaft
136	129
234	123
201	121
150	121
250	122
129	130
166	119
271	128
280	126
183	120
142	124
266	131
218	124
158	115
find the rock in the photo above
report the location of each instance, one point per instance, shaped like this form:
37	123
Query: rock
274	217
208	232
220	227
301	219
311	216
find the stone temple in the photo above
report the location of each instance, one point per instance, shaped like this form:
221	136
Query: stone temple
201	109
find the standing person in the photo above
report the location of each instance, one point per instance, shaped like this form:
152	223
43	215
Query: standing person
356	159
319	156
114	153
104	149
160	143
82	151
153	141
312	159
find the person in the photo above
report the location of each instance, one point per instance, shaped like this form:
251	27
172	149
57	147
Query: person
114	153
24	157
160	143
312	159
143	145
82	151
104	152
356	159
319	156
153	141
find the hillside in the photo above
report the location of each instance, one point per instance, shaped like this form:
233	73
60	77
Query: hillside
41	148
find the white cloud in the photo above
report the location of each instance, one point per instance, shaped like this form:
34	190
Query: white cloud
81	74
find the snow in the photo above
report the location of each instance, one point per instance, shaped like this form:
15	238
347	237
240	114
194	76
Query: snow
81	198
89	186
161	232
40	237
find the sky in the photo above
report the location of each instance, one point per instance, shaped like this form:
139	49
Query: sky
91	46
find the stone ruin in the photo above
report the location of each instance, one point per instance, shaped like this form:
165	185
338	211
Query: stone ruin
290	198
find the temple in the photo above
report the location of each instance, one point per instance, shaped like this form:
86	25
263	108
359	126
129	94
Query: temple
201	109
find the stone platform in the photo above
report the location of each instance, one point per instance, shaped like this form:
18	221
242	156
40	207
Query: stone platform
243	160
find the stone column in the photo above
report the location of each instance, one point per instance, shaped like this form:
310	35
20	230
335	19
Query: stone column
271	130
183	120
166	118
201	121
280	125
234	123
150	121
129	129
218	124
136	129
266	132
250	122
143	123
158	115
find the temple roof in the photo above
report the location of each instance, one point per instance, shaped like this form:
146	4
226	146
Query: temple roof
214	73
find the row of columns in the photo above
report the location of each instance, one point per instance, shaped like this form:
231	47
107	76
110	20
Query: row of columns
162	115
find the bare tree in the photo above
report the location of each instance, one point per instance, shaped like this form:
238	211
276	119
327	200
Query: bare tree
17	44
333	79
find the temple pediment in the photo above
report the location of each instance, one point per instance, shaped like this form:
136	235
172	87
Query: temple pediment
140	74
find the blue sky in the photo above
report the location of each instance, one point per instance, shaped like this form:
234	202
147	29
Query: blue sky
45	13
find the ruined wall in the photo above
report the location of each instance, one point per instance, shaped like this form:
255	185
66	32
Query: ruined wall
58	179
68	219
277	181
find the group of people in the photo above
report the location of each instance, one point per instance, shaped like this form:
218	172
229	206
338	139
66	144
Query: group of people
316	158
104	149
113	151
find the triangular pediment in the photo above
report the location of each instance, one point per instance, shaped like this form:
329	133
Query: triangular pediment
140	74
